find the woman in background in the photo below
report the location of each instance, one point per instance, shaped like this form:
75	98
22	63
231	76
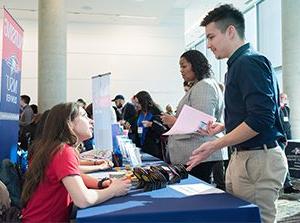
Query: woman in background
149	124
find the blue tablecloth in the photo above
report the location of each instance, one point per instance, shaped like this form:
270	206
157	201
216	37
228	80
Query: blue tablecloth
169	205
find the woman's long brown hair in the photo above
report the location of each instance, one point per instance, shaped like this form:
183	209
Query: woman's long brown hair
56	133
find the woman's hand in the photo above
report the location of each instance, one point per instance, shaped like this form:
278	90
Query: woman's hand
99	162
168	120
120	187
147	124
91	162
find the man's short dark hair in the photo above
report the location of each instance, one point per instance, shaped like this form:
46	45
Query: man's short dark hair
25	98
224	16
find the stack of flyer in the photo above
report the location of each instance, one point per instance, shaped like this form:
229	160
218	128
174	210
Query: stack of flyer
129	150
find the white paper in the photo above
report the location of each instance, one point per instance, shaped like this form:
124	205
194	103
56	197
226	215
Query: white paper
194	189
189	121
134	155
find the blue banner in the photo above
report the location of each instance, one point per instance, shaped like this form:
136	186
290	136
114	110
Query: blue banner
10	86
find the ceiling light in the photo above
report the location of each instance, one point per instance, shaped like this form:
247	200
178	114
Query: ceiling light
137	17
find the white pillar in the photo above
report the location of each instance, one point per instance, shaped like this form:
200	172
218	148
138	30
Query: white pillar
52	82
291	60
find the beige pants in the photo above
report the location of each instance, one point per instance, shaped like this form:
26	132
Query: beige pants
257	176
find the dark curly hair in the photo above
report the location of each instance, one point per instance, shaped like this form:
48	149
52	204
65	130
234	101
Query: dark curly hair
224	16
199	63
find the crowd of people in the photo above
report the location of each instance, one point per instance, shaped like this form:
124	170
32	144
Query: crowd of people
248	109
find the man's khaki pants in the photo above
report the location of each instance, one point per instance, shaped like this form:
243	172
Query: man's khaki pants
257	176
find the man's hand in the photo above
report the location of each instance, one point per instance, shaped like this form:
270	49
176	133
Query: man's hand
200	154
212	129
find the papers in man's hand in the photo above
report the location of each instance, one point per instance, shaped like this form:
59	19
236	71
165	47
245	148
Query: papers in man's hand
189	121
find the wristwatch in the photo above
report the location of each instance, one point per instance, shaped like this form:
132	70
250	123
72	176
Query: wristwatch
100	182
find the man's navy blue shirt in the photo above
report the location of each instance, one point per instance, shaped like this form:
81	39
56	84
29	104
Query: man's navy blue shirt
251	96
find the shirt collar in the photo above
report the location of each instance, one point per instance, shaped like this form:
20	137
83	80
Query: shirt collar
237	53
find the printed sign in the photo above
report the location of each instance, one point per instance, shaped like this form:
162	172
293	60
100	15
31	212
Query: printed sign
12	43
292	152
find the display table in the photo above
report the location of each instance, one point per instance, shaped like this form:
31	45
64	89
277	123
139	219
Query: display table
170	205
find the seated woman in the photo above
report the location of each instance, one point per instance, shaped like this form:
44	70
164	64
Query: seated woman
53	182
86	166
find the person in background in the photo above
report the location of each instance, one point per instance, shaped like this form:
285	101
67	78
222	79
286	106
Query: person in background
34	108
38	132
81	102
258	166
150	127
27	113
89	144
204	95
169	109
288	187
285	115
28	132
53	178
126	115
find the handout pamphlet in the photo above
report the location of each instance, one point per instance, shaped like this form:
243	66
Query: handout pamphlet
189	121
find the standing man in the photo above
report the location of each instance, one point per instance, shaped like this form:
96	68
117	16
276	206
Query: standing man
27	113
285	115
258	166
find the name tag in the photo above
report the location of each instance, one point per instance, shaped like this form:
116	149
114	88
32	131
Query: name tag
285	118
140	130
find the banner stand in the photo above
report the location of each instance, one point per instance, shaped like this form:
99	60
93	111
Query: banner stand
10	86
102	112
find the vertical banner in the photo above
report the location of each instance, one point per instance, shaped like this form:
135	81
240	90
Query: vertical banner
12	43
102	112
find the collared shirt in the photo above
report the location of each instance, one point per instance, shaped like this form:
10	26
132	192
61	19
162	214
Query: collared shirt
26	116
251	96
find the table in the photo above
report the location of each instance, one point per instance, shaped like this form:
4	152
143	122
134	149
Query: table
169	205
